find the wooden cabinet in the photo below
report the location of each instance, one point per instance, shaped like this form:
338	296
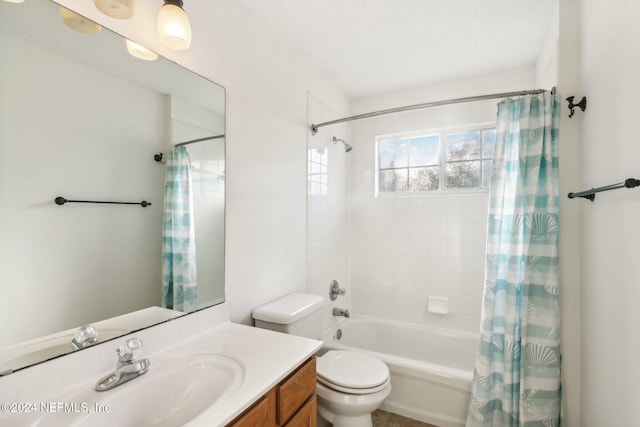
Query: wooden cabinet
291	403
295	390
306	416
260	414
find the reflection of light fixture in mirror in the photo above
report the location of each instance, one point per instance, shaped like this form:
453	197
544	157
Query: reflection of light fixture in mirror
78	22
174	28
140	52
119	9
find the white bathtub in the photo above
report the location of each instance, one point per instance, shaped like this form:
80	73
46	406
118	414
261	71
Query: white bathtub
431	369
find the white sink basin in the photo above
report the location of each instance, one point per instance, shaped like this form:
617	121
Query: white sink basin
176	389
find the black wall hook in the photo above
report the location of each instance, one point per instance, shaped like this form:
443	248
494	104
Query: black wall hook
159	158
582	104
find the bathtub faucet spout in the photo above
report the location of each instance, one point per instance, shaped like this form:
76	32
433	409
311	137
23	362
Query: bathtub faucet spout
341	312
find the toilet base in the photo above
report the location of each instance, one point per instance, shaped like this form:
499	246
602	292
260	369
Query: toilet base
327	419
348	410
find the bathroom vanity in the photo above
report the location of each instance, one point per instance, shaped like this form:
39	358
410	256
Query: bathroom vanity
204	371
292	403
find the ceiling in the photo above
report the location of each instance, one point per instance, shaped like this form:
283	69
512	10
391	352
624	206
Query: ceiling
370	47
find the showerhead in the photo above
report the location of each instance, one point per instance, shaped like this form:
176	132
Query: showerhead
347	147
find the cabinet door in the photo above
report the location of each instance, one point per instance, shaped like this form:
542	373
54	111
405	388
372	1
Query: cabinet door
294	391
261	414
306	417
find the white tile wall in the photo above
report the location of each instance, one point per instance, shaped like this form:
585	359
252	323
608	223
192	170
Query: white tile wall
393	253
404	250
208	204
328	239
414	248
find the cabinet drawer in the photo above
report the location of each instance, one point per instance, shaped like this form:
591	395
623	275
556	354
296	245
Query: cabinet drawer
306	417
294	391
261	414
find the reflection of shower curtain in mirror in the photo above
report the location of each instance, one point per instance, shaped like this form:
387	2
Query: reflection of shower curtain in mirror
179	280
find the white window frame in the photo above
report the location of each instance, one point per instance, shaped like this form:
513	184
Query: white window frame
442	132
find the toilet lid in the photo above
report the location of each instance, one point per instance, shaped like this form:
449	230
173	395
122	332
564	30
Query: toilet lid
351	369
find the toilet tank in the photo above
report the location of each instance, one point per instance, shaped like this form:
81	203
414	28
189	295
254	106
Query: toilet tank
297	314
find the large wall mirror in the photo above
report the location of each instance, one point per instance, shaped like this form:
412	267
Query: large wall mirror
82	119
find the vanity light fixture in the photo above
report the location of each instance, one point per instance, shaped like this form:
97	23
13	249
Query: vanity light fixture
14	1
78	22
119	9
140	52
174	28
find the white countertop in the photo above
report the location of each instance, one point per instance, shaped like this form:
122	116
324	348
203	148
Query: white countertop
266	358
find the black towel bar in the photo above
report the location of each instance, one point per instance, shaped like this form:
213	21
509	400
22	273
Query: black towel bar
61	201
591	194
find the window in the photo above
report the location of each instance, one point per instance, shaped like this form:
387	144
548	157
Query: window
317	172
468	158
447	160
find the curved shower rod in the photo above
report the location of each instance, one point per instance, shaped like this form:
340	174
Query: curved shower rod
315	127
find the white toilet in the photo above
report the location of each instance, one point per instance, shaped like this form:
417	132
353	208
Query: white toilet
350	384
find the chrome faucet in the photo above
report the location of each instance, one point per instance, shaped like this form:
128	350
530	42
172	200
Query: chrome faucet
341	312
128	367
85	336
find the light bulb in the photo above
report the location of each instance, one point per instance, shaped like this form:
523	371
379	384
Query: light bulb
140	52
174	28
78	22
119	9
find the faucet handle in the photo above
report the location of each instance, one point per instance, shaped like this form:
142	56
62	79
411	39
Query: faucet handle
128	350
335	290
84	337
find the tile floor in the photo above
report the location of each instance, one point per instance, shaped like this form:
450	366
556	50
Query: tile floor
387	419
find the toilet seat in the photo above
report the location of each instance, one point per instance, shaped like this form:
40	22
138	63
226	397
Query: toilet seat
348	390
352	372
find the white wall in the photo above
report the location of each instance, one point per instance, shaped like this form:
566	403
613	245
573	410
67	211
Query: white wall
75	264
570	148
405	249
267	83
547	63
610	235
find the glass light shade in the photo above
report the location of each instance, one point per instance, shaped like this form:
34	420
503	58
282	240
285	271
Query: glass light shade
174	28
14	1
78	22
140	52
119	9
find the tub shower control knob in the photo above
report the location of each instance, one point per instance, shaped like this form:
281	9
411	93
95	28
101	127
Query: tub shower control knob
335	290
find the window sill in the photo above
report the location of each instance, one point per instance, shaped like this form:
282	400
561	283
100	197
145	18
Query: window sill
435	193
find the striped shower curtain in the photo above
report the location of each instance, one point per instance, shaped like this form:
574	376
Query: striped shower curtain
179	278
517	368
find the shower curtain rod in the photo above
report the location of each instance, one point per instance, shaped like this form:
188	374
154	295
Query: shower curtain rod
199	140
314	127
